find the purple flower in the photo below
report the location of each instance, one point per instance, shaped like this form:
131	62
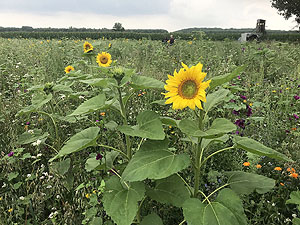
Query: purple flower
299	86
10	154
231	100
280	91
249	111
99	156
27	123
296	97
25	90
287	131
239	77
237	132
240	123
243	97
243	49
296	117
97	121
235	112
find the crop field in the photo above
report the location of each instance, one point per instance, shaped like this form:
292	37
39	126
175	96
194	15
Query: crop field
127	131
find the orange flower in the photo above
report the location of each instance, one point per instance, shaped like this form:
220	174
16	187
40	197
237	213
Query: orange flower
294	175
282	184
258	166
246	164
277	168
102	113
294	128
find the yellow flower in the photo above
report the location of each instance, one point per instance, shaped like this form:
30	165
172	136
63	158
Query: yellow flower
251	104
274	91
87	47
68	69
109	45
10	210
186	88
104	59
244	101
94	191
88	195
190	42
1	198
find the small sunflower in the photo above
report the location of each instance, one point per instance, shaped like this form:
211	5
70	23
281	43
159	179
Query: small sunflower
87	47
186	88
104	59
68	69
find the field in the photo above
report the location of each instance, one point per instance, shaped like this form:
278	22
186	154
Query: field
98	144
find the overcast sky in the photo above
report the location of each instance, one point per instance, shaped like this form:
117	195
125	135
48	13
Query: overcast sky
155	14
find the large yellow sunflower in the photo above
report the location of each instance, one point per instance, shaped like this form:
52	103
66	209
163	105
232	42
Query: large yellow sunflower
68	69
87	47
104	59
186	88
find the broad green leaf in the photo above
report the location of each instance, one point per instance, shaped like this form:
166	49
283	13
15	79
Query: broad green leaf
111	125
231	200
62	167
206	142
246	183
142	82
154	161
213	99
79	141
29	137
90	105
120	203
91	164
12	175
38	100
169	121
296	221
62	88
152	219
96	221
159	102
99	82
219	80
170	190
149	126
219	127
197	213
255	147
294	198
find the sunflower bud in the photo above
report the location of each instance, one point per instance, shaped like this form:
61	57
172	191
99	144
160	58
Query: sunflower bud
48	88
118	74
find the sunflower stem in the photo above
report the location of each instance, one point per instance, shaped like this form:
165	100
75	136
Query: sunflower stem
124	115
198	158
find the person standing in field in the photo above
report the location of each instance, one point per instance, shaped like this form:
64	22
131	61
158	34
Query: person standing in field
172	40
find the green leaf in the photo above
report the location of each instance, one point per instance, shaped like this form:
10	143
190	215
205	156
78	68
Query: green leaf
246	183
99	82
159	102
79	141
197	213
169	121
149	126
12	175
62	88
27	137
170	190
111	125
154	161
120	203
96	221
206	142
219	80
90	105
152	219
296	221
38	100
213	99
62	167
219	127
255	147
91	164
294	198
229	199
142	82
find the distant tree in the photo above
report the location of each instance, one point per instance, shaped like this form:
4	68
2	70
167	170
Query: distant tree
288	8
118	27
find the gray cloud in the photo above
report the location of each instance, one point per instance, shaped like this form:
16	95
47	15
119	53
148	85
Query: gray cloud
104	7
